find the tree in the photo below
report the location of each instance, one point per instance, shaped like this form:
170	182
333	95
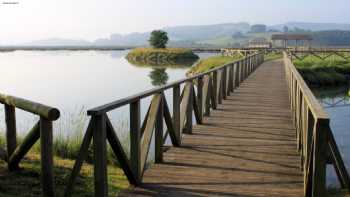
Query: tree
285	29
158	39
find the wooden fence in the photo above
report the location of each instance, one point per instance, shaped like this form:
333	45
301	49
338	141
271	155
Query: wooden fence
42	129
211	86
322	54
316	142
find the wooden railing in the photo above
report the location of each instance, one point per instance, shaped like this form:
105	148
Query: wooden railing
212	87
42	129
322	54
316	142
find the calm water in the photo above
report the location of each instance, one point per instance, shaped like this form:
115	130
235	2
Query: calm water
336	102
74	81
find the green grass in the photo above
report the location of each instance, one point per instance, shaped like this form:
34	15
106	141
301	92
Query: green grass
211	62
272	56
330	72
26	182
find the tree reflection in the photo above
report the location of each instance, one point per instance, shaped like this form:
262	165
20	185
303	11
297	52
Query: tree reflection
158	76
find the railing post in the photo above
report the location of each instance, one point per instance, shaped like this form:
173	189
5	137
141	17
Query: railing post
47	180
231	79
159	133
320	161
11	136
237	74
135	140
215	88
200	97
189	110
176	112
100	155
224	82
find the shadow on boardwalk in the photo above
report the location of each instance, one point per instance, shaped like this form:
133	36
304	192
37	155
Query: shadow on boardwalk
247	147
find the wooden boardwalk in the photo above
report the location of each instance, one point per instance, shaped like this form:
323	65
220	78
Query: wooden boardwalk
247	147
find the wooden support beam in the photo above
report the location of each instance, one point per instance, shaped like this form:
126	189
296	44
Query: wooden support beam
135	140
11	131
46	149
99	134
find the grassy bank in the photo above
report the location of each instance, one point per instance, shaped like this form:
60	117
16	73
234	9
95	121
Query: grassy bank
273	56
211	62
161	57
26	182
317	72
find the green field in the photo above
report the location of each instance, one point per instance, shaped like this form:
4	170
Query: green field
330	72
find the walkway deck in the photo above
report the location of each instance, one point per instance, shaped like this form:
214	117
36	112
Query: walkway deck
247	147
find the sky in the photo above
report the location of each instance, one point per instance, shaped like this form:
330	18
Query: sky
30	20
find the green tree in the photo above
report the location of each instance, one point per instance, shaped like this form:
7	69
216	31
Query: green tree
158	39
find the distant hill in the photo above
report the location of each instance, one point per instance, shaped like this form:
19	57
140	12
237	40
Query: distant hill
178	33
312	26
216	35
58	42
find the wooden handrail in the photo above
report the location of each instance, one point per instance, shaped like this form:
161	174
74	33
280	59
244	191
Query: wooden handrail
121	102
201	93
315	106
316	143
41	130
30	106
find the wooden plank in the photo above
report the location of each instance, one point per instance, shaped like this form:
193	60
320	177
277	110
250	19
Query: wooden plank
99	134
46	154
251	136
11	131
184	105
148	133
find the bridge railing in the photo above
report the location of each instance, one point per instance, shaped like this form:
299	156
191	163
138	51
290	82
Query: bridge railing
212	87
316	143
42	129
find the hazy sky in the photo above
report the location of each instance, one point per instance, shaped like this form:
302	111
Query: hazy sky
92	19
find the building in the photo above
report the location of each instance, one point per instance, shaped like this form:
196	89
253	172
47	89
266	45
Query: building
259	43
299	39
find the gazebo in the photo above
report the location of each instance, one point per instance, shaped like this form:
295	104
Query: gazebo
292	37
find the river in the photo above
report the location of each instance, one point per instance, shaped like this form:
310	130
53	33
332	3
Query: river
336	102
74	81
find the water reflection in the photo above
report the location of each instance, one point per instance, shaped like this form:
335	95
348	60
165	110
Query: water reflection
158	76
336	102
334	97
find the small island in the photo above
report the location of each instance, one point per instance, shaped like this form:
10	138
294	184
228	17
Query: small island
159	55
